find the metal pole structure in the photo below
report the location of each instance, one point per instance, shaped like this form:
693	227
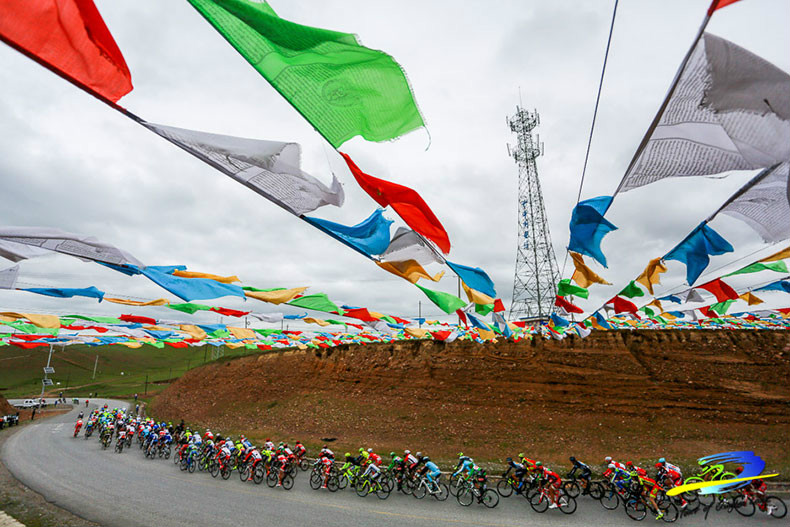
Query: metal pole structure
47	370
419	311
95	364
536	276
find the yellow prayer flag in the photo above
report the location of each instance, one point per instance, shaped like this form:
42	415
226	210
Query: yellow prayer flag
234	345
157	302
656	302
583	275
486	335
193	331
311	320
410	270
416	332
132	344
651	275
242	333
276	297
476	296
217	278
41	321
752	299
781	255
669	316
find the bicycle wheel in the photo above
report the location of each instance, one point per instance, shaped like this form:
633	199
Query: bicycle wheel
490	498
539	502
504	488
419	491
258	474
288	482
177	459
610	499
192	466
635	510
442	493
273	477
342	481
455	484
183	465
315	481
214	469
567	504
304	464
382	491
245	473
670	510
167	453
571	488
225	472
118	447
776	506
333	483
465	496
596	490
743	505
362	488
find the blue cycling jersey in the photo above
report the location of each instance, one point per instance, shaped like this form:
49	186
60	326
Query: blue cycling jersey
465	464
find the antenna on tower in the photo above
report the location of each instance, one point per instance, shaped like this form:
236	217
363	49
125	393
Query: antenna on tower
535	281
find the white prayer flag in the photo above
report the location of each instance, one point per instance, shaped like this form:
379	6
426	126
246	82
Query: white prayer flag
730	110
21	243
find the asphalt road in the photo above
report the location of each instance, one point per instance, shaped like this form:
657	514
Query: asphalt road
129	490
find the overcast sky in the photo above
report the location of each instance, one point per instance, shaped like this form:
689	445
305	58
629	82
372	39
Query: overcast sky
68	161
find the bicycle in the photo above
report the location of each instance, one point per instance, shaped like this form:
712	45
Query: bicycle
436	488
368	485
710	473
469	492
637	506
573	487
746	504
119	445
540	501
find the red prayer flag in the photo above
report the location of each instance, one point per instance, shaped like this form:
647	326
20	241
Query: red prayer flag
621	305
138	320
264	347
720	289
567	306
705	310
406	202
498	306
177	344
29	345
440	335
462	317
360	313
718	4
229	312
70	38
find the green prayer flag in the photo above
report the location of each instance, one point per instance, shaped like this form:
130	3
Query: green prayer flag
779	267
317	302
341	87
566	288
649	312
445	301
156	344
484	309
189	307
100	320
250	288
722	307
632	290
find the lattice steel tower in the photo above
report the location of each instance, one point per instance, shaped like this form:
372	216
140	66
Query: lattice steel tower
535	282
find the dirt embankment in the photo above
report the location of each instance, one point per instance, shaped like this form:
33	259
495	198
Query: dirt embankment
5	407
635	394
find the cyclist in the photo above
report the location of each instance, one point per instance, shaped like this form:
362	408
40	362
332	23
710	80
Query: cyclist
649	490
398	467
431	471
409	459
585	473
372	470
327	458
619	477
299	450
374	458
77	427
670	478
282	459
630	467
268	445
520	472
465	464
551	480
757	487
669	466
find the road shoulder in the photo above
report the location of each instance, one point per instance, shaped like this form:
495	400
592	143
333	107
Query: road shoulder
26	505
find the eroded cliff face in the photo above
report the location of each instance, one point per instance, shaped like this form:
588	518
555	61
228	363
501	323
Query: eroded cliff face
637	390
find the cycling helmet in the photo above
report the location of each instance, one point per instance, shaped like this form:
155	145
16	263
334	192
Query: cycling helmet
659	465
407	452
298	442
242	437
662	460
348	454
361	450
509	459
611	466
738	470
322	448
521	455
538	464
573	459
285	445
607	459
370	450
426	459
460	454
392	454
419	454
267	440
629	463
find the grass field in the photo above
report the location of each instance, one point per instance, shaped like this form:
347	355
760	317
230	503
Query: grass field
120	371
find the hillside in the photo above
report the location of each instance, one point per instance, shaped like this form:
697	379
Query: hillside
638	394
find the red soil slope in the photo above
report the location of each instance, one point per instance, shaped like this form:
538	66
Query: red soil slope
636	394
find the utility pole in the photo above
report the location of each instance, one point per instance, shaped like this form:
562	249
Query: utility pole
96	363
419	311
46	381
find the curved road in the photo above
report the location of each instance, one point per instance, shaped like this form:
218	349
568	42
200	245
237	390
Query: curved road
128	489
